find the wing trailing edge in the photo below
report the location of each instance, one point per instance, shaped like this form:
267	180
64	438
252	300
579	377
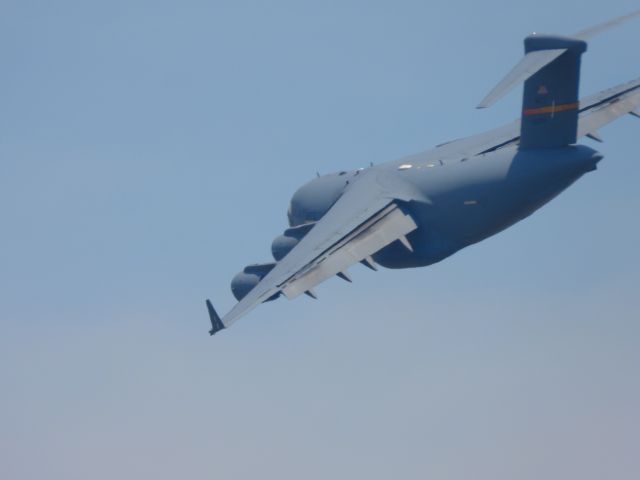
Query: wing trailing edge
387	226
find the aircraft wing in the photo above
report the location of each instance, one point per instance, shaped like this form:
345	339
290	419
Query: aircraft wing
595	111
363	220
604	107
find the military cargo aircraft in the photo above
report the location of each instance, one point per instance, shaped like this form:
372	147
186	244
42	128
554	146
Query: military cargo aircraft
418	210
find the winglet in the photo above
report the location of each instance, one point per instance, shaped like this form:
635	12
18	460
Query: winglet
216	323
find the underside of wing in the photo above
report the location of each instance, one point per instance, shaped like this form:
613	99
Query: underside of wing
365	219
604	107
388	225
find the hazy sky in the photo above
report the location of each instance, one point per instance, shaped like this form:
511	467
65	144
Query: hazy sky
148	150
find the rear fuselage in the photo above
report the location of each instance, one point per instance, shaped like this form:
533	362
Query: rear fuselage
458	204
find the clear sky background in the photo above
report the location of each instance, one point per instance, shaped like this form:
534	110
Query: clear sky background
148	151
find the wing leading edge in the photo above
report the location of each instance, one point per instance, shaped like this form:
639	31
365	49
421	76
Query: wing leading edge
365	219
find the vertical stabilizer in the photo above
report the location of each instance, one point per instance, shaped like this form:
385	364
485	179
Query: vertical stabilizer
550	100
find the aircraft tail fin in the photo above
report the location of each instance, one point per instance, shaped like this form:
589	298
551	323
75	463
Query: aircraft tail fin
537	58
550	104
550	70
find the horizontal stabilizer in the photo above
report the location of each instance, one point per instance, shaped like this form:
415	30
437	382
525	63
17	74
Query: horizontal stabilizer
529	65
536	60
604	26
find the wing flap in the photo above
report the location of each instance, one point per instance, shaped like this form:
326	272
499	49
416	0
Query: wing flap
385	227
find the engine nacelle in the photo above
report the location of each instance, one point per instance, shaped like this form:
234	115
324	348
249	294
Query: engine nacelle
284	243
247	279
315	198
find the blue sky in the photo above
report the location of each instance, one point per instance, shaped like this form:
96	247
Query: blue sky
148	151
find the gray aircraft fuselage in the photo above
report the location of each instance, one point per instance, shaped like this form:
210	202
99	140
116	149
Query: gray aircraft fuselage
420	209
459	203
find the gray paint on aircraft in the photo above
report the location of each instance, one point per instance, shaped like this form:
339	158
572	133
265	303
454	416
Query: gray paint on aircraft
420	209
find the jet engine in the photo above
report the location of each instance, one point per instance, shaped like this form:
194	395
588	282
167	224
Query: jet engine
284	243
315	198
248	278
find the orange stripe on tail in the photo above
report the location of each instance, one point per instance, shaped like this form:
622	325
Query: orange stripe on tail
551	109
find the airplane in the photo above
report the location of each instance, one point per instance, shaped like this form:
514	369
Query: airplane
420	209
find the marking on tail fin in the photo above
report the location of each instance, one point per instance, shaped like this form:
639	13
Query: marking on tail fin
551	108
